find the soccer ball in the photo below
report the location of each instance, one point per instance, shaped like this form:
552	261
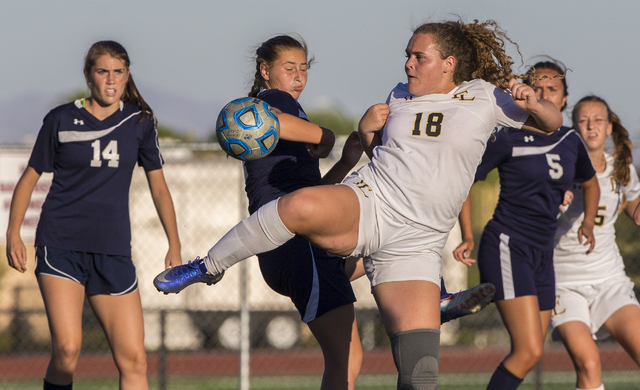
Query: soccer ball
248	128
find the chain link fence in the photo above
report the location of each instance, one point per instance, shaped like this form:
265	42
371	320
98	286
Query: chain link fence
239	333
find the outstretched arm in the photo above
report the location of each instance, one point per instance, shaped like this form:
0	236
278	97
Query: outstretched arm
166	212
544	116
16	251
633	210
320	140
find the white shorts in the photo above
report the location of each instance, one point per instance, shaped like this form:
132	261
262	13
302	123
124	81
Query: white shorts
394	248
592	304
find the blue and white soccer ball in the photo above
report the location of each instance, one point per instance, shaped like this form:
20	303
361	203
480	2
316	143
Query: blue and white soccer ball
248	128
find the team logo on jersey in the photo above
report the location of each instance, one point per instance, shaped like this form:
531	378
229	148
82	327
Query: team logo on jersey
78	122
462	96
363	186
528	138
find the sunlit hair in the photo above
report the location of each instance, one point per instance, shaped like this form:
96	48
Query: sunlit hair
116	50
621	143
550	64
478	48
268	53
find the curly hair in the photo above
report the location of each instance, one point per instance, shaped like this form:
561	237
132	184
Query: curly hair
622	146
478	48
268	53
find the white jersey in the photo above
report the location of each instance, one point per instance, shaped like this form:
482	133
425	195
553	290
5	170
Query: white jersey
433	144
572	264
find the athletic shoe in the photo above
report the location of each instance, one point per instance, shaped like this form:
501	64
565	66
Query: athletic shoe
465	302
176	279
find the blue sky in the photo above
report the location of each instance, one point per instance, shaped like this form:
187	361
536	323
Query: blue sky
201	51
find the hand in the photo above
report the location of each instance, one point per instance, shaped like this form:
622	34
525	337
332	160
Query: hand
352	150
568	198
586	231
173	258
523	95
16	254
463	252
374	119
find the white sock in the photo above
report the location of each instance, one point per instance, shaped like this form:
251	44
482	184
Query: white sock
597	388
261	232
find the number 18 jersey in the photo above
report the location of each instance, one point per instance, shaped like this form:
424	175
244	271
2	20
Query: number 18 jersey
432	145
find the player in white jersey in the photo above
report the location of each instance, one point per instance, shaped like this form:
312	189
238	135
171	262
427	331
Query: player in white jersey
398	210
594	296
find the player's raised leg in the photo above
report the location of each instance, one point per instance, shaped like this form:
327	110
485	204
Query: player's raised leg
327	216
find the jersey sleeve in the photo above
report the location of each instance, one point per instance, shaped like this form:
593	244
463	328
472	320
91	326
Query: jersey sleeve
44	150
281	100
584	167
498	150
632	189
506	112
149	156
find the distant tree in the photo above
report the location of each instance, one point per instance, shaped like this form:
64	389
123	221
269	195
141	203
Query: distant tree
333	119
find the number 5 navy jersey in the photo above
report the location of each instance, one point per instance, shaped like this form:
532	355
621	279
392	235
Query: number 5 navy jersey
87	208
535	171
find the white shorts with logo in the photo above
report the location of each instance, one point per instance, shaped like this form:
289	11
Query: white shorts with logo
393	247
592	304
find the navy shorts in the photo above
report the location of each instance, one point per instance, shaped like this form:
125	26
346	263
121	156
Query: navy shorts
315	280
516	269
98	273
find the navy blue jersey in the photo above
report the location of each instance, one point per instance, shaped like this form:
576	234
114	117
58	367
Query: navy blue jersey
535	171
87	207
288	168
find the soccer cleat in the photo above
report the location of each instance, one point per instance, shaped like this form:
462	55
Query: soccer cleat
466	302
176	279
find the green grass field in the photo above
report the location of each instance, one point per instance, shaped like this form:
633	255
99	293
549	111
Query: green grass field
624	380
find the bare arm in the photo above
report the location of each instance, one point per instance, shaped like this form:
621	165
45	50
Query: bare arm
320	139
351	153
16	251
632	210
544	116
463	252
591	191
371	125
166	212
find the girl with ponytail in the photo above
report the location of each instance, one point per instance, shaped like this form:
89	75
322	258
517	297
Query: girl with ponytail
595	297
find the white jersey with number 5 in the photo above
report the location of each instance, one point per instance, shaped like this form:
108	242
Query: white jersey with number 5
433	144
571	262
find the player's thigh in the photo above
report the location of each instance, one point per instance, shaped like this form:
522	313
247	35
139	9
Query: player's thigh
337	332
623	325
326	215
577	339
122	321
408	305
63	301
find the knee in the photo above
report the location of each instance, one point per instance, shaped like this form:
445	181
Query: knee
588	366
416	354
529	357
65	356
134	362
298	205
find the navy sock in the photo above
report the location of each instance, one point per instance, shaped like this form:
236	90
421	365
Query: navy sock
503	379
51	386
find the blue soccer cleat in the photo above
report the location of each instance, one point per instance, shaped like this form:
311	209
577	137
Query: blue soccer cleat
466	302
176	279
